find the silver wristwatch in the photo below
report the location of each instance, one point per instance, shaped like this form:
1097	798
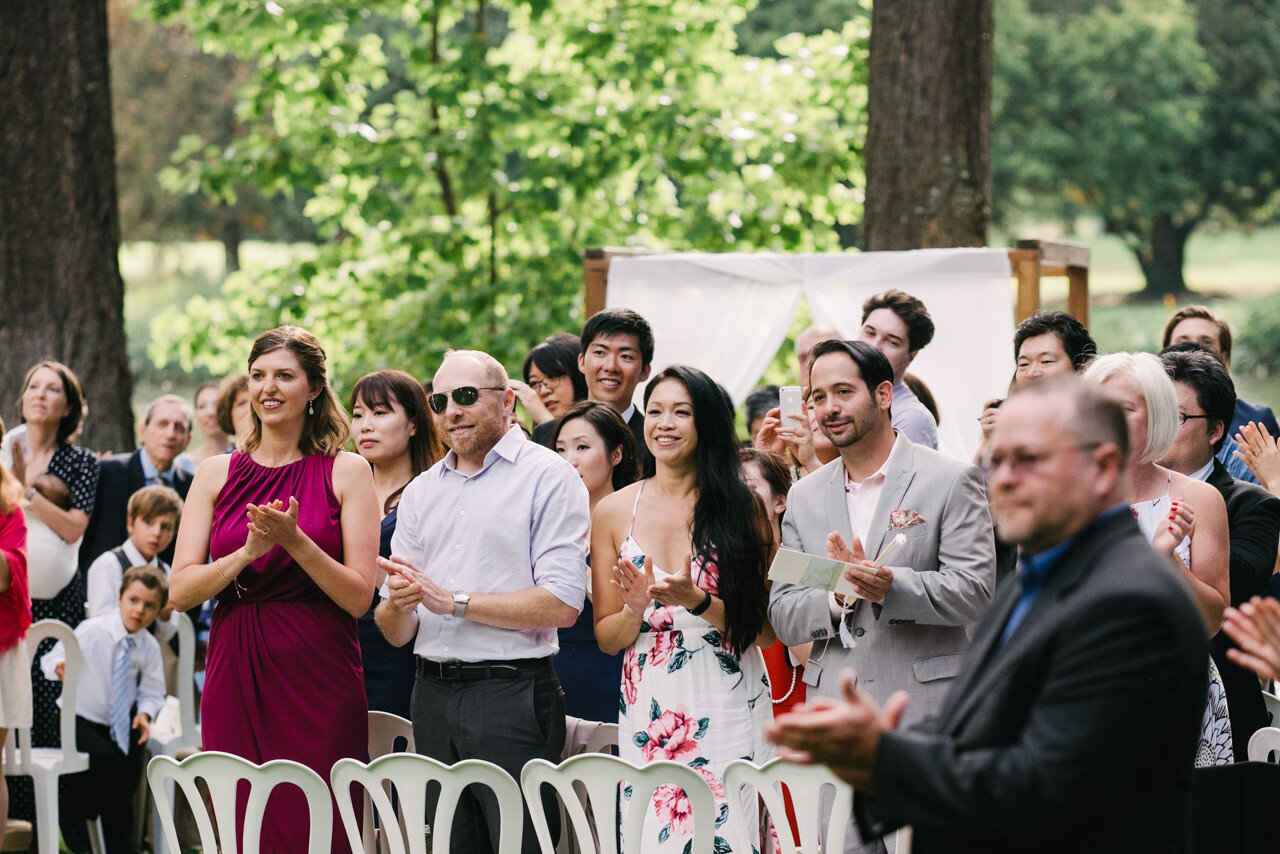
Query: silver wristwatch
460	601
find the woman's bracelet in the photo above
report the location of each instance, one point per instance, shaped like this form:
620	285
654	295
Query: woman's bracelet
217	567
701	608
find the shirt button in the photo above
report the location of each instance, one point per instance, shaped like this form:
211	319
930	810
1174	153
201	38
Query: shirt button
446	649
451	581
457	546
859	632
462	512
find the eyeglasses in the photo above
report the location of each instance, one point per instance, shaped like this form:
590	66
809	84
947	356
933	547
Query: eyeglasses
1020	461
546	384
1183	417
465	395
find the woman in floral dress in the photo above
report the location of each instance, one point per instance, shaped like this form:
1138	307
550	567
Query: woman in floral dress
678	565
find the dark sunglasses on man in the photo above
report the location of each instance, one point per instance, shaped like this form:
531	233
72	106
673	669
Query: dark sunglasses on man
465	395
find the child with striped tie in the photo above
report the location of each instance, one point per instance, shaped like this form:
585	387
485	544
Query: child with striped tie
121	687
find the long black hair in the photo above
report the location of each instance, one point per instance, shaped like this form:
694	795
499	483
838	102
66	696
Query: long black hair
727	521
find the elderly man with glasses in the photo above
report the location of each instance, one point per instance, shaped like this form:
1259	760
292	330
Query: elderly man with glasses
487	562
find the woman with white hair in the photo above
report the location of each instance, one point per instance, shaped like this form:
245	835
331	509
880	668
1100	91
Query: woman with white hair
1184	518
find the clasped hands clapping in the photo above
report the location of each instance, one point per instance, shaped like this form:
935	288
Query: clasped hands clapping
272	525
639	587
870	581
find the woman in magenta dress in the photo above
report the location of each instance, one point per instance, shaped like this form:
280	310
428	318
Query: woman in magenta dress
291	524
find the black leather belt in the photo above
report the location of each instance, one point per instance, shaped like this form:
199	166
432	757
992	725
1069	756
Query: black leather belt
471	671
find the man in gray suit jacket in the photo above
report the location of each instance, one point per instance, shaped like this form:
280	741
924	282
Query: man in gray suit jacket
1073	722
908	628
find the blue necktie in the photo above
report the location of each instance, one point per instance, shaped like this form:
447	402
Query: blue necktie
120	694
1031	575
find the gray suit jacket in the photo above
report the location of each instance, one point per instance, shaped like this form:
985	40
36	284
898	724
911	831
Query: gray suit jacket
944	575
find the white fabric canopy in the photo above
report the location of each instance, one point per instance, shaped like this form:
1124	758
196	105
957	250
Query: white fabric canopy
728	314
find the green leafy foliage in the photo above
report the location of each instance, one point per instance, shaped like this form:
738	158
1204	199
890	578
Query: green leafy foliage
458	157
1153	114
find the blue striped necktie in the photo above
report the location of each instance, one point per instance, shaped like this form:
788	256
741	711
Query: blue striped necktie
120	694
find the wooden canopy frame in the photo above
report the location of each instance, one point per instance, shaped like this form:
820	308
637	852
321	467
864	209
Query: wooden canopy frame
1031	261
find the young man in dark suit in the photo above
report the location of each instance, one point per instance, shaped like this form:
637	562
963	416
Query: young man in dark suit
1206	401
617	354
1075	713
165	433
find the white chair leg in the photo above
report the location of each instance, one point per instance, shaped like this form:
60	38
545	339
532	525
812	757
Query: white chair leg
46	792
97	844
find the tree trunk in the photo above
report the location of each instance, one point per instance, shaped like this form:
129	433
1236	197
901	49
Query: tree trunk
60	283
928	150
232	237
1161	258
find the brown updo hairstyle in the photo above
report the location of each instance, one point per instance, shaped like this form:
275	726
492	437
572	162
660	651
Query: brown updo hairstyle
613	431
228	389
328	429
383	388
70	422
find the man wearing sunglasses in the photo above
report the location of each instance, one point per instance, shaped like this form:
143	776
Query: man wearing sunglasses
487	562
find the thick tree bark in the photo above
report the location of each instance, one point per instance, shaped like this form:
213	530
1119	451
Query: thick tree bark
1163	256
928	150
60	284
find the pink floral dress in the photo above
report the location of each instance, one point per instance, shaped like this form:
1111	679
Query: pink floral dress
686	697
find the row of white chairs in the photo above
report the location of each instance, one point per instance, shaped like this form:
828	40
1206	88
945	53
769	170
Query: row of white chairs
45	765
590	779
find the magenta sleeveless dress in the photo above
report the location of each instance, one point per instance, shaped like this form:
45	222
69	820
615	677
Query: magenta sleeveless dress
283	677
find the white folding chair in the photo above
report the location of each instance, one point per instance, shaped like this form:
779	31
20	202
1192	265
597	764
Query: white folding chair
583	736
386	732
46	764
188	733
1272	702
410	774
1262	743
600	775
806	784
222	774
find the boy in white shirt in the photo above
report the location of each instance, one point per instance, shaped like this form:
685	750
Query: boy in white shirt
153	514
120	689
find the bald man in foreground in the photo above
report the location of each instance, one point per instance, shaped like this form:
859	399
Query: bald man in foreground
1073	720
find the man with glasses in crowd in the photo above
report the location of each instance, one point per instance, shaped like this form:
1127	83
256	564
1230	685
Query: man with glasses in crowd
1046	736
487	562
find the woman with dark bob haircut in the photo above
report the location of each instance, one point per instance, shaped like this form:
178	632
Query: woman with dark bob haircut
395	433
552	379
601	447
678	566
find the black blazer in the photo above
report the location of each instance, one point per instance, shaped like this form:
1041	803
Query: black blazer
1253	519
119	476
1079	733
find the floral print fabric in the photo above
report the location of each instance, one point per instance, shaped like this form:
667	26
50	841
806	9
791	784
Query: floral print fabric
687	698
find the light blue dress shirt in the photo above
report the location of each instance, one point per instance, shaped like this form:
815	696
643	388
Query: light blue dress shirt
519	522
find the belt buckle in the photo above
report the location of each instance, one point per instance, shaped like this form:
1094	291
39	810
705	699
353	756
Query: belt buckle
451	670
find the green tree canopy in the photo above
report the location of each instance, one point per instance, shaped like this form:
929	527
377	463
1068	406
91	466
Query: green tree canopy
459	157
1154	114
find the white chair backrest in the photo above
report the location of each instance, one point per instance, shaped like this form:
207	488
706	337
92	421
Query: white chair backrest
410	774
1272	702
806	783
190	736
17	748
222	774
1263	742
384	730
600	775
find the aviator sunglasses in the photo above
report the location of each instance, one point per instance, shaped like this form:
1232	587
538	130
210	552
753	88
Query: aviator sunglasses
463	396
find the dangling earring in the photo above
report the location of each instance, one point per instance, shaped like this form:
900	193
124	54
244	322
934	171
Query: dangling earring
311	407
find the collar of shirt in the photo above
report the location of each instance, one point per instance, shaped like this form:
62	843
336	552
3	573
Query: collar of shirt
854	487
1203	472
149	470
135	557
507	448
1034	569
627	413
